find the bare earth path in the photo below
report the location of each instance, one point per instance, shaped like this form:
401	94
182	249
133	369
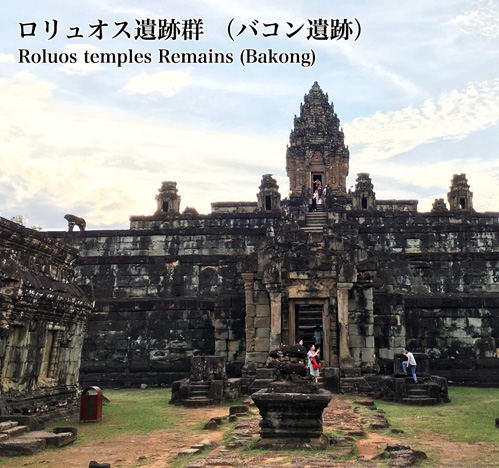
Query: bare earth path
159	447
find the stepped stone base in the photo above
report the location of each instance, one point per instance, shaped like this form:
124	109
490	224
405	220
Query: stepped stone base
419	401
198	402
28	443
321	442
18	446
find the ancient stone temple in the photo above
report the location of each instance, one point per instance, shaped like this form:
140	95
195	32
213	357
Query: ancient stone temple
372	275
43	317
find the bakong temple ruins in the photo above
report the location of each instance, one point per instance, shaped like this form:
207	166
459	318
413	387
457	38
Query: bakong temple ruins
374	276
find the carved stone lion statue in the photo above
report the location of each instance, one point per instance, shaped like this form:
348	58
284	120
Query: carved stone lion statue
75	221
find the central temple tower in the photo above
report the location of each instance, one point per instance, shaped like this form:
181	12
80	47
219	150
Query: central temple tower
316	149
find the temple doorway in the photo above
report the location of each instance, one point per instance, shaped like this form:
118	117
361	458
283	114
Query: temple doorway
308	315
308	318
317	176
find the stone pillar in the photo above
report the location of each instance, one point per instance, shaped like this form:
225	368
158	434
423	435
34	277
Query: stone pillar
326	334
275	317
343	325
250	311
54	355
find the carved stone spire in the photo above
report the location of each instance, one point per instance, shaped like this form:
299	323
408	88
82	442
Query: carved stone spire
268	198
460	197
316	148
168	199
364	196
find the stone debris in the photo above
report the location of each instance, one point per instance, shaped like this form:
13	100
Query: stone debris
353	430
212	424
239	410
189	451
94	464
198	447
401	456
343	445
379	422
366	402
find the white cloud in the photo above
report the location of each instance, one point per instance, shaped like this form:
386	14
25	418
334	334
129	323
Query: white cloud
482	20
7	58
453	115
167	83
401	180
112	163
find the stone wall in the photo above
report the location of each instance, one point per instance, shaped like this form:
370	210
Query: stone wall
42	322
438	289
165	291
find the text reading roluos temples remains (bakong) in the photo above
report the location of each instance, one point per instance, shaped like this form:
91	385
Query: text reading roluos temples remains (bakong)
247	56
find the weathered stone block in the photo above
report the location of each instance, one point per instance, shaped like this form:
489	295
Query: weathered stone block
262	345
262	322
262	311
220	346
356	341
367	355
263	332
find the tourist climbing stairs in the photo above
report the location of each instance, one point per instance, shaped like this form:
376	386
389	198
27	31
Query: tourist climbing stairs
17	439
199	395
417	394
315	220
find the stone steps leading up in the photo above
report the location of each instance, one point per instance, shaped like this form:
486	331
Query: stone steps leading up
17	440
15	431
315	221
7	425
198	402
427	401
418	393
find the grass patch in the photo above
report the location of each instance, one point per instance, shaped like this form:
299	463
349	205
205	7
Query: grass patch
131	411
470	417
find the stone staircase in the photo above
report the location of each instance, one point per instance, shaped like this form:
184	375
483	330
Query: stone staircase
315	221
199	395
417	394
9	429
16	439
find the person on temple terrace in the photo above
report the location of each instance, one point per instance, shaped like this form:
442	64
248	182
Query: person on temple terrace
411	363
311	354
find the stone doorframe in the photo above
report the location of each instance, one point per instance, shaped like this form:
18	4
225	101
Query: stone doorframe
326	340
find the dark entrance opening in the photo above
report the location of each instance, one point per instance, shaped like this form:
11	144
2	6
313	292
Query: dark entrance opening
307	318
462	203
268	202
364	202
316	177
165	206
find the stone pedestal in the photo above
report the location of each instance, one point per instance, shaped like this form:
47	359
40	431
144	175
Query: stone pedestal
292	405
291	419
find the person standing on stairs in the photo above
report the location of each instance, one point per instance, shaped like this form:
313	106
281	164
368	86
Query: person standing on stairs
411	363
311	355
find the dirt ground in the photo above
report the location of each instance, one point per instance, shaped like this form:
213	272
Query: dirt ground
160	448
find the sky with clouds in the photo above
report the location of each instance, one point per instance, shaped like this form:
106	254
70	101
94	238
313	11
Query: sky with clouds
417	95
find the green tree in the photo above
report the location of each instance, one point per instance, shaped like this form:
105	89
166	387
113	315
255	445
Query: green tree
23	221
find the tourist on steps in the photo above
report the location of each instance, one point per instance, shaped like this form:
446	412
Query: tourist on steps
311	354
411	363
